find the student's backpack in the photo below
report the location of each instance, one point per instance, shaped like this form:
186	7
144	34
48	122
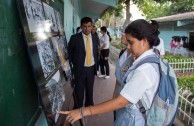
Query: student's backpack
165	103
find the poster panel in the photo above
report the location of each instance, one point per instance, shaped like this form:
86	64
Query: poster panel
34	14
59	22
46	57
48	54
60	49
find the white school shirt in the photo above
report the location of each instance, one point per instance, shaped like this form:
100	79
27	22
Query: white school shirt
141	83
160	47
104	39
91	47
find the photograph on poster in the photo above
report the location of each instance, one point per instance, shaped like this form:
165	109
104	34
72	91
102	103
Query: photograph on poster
46	56
67	70
56	94
34	14
60	50
59	21
63	43
50	16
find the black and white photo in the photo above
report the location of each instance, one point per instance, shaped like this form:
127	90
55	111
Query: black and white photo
34	14
50	16
56	94
46	56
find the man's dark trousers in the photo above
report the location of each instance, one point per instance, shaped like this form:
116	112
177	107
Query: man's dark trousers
85	81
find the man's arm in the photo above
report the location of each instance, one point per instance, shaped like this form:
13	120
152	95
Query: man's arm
71	47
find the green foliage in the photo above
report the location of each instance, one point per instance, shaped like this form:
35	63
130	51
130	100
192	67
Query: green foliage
160	8
117	43
177	56
186	83
154	8
117	11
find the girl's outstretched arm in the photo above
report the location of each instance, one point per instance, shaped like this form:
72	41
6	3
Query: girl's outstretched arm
107	106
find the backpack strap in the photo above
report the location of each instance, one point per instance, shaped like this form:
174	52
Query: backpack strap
148	59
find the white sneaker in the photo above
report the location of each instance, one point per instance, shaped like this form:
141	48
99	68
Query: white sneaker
98	72
106	77
100	76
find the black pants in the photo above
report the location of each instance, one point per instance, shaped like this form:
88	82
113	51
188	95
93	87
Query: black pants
98	63
84	87
104	62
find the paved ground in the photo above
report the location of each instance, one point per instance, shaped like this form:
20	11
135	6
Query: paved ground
186	74
103	90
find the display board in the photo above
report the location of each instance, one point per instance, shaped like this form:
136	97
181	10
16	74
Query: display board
47	48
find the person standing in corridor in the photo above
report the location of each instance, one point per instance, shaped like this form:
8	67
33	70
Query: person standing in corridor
104	53
160	47
83	53
94	32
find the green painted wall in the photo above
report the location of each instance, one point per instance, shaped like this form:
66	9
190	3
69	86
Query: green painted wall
18	94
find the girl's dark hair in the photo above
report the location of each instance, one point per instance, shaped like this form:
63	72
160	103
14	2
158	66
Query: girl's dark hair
104	29
141	29
155	24
110	39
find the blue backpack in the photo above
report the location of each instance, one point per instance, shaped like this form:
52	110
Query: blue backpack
165	103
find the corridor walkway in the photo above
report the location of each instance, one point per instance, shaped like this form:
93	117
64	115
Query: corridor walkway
103	90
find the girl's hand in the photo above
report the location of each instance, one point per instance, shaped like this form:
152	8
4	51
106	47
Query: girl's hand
72	115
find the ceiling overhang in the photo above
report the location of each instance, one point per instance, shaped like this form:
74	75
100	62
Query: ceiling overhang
95	8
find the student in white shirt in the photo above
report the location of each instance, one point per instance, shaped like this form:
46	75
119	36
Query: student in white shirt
160	47
104	53
141	83
124	62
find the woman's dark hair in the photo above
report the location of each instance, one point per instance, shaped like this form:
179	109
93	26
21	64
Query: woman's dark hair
104	29
95	32
110	39
141	29
85	20
155	24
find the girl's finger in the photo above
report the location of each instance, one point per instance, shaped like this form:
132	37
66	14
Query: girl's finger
63	112
72	122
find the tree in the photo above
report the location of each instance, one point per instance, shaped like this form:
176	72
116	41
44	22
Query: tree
111	15
160	8
150	8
